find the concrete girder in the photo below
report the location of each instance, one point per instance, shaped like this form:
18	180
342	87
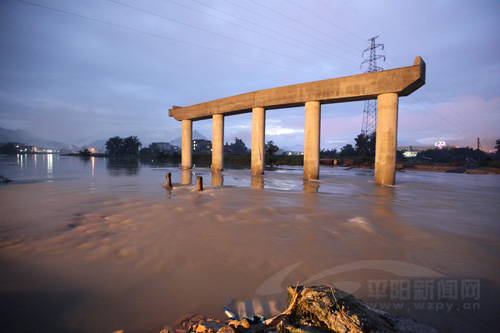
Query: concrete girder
402	81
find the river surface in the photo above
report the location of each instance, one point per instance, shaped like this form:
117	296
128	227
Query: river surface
98	245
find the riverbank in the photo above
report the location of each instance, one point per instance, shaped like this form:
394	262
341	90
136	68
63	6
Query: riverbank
429	168
452	169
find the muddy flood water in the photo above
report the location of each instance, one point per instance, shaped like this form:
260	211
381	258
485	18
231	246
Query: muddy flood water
97	245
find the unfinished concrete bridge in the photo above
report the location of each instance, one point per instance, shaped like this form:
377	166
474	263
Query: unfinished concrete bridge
386	86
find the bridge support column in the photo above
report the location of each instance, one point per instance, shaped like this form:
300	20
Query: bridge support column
387	134
311	139
258	137
187	144
217	143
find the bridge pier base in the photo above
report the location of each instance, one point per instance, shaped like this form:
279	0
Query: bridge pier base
311	139
387	135
258	137
187	144
217	143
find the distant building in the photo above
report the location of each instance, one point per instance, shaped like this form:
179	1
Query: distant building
416	148
164	147
161	146
24	148
201	146
412	151
289	152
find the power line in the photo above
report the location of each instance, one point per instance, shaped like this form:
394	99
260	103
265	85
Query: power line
160	36
327	21
295	29
258	32
349	62
456	117
355	22
214	33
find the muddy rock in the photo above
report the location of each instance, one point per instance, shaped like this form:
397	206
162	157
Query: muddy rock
311	310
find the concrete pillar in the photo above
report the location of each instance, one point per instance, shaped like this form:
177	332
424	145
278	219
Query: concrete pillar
186	177
217	143
311	139
387	135
257	182
258	137
187	144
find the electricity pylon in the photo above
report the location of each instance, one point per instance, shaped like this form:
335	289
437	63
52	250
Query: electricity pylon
369	124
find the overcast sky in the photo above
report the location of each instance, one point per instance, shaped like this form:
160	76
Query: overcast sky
81	70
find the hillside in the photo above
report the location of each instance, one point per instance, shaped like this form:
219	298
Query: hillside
21	136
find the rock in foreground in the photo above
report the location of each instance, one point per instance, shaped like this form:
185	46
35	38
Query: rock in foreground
314	309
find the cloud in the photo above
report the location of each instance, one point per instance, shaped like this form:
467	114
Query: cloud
278	130
121	69
460	122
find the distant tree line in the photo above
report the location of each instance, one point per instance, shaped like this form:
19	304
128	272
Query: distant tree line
238	147
8	148
117	146
238	153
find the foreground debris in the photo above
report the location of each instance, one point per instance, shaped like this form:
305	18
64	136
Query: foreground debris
315	309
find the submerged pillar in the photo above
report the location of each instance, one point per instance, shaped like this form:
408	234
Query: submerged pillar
186	177
217	143
387	134
258	137
311	139
187	145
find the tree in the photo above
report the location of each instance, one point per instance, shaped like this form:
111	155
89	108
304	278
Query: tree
238	147
347	150
85	153
365	144
497	147
114	146
8	148
328	153
146	151
271	148
131	145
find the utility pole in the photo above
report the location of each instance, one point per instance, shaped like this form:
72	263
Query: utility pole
478	151
369	124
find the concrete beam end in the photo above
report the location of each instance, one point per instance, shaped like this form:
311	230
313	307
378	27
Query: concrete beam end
418	69
420	62
170	114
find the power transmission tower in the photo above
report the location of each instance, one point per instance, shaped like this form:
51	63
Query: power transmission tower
369	124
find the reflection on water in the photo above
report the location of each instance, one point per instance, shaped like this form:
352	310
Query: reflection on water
217	179
20	160
123	166
49	165
257	182
311	186
383	203
114	249
39	166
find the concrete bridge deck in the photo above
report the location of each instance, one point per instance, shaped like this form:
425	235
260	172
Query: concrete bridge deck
387	86
360	87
